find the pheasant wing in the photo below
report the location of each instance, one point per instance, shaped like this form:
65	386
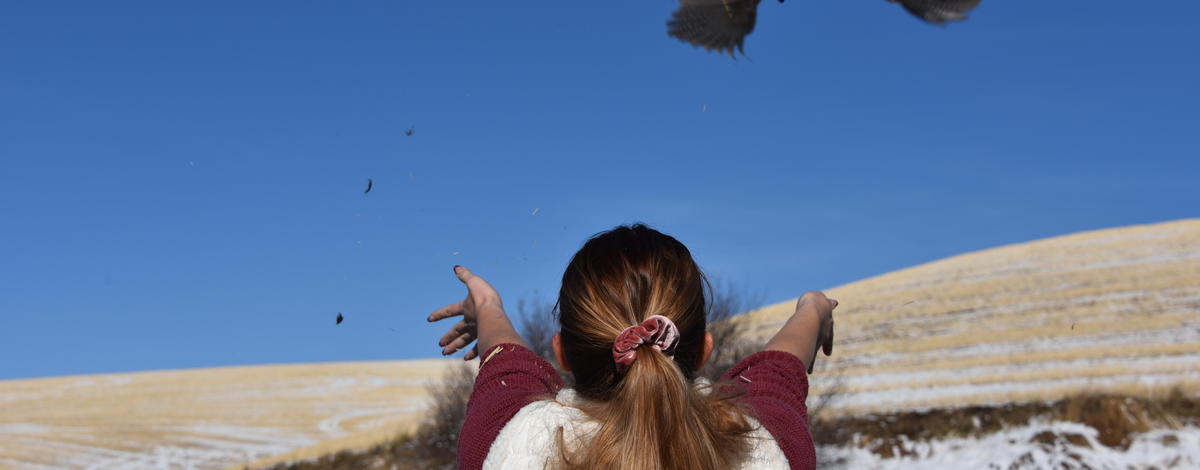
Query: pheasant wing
938	11
715	25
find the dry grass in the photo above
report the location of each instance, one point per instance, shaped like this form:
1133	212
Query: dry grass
1087	312
209	417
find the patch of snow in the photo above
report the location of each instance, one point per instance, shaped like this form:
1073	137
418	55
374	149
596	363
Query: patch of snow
1017	448
332	426
118	380
25	428
246	433
23	465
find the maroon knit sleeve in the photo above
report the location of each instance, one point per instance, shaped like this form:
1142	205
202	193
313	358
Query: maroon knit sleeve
510	377
776	386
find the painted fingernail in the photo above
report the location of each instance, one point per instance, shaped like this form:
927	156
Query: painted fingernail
456	268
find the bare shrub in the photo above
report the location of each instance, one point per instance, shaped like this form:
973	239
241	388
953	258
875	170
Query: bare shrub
436	443
537	325
726	300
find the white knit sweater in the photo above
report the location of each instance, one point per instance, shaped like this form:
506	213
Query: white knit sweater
529	440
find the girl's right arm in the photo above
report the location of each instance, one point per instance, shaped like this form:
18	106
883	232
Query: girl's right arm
810	328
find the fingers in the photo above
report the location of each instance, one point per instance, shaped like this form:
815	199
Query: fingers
476	286
469	278
816	299
828	346
458	343
457	330
472	354
810	297
463	273
448	311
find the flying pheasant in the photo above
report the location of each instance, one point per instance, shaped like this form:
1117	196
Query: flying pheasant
722	25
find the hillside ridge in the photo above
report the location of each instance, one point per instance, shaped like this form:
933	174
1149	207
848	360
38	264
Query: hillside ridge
1106	311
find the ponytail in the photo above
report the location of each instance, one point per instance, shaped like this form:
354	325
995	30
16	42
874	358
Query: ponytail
658	420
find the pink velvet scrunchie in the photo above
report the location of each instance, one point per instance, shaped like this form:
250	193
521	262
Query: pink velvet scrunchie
658	331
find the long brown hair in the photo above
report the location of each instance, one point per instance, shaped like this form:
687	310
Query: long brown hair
651	416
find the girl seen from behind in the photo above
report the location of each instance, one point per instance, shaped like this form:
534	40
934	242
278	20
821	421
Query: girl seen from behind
632	318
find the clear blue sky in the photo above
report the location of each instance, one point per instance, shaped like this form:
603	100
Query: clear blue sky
181	184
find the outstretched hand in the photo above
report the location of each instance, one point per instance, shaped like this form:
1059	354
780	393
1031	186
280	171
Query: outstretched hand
808	330
481	298
823	306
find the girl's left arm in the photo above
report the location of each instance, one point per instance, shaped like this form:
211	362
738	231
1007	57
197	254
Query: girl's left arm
510	375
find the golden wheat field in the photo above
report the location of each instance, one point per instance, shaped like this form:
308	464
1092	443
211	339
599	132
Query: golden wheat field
207	418
1115	310
1108	310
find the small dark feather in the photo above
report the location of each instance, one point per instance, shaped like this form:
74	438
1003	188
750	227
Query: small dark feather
369	185
339	319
